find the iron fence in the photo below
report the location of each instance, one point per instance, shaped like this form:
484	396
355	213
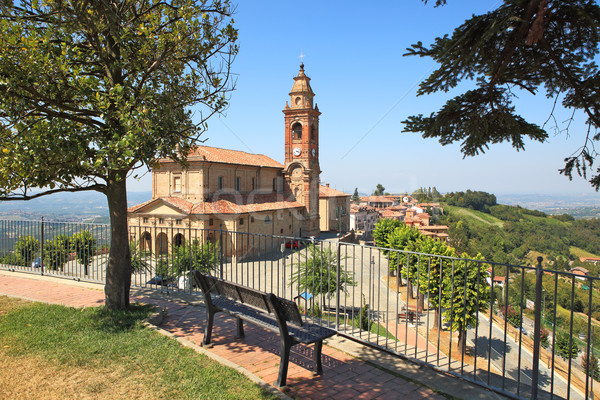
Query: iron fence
521	331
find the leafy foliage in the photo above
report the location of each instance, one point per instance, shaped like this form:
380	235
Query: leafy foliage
379	191
355	197
383	229
56	252
465	293
563	348
475	200
403	238
91	91
26	249
529	45
84	246
592	369
190	257
317	272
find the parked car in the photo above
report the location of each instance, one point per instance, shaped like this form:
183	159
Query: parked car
37	263
161	281
294	244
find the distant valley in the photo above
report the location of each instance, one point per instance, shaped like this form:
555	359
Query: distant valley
92	206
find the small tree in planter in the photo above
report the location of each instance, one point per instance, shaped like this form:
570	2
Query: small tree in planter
317	273
26	249
56	252
189	257
84	245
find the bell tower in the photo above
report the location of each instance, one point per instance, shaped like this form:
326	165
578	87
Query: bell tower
301	172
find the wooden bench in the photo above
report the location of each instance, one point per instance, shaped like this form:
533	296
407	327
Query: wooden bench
410	313
265	310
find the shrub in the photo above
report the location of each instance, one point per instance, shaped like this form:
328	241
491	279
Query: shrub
26	249
561	345
317	272
56	252
84	246
190	257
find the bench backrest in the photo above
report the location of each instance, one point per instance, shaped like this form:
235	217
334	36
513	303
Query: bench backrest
283	309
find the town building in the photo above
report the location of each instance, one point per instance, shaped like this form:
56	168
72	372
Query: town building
334	207
223	194
363	220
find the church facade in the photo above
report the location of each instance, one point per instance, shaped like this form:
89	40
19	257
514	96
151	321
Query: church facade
227	193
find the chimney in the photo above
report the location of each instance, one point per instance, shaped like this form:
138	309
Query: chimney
327	184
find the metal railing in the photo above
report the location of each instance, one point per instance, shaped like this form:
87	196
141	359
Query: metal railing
518	330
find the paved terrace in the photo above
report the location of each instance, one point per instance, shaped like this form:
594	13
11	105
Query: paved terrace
351	370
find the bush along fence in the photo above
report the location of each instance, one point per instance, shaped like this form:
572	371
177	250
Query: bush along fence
523	331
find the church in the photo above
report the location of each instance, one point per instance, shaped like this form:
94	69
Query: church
229	193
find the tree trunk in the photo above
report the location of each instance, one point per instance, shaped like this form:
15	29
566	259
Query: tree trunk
421	302
462	342
436	322
118	271
410	288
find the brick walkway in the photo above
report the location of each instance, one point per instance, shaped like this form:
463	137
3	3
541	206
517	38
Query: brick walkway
344	377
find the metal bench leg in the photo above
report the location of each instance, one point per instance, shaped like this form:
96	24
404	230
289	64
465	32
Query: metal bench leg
208	330
317	366
240	329
283	364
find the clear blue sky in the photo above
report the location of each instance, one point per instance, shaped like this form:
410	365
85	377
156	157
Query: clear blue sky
364	88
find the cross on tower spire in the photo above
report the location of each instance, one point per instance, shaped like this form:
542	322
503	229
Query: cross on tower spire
301	60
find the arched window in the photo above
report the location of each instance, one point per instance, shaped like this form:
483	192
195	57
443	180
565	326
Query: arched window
313	134
297	130
178	240
161	243
146	242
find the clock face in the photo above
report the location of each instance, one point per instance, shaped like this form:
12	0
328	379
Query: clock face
314	152
297	151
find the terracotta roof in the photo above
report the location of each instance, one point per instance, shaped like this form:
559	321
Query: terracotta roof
326	191
377	199
182	204
579	269
215	154
591	259
228	204
389	214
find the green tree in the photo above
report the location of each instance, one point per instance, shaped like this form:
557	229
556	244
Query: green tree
592	369
562	346
26	249
317	272
84	245
465	294
355	197
400	239
383	228
429	270
379	190
94	90
56	252
525	45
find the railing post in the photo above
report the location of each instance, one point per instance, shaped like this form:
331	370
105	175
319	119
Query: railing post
337	283
221	252
42	246
537	327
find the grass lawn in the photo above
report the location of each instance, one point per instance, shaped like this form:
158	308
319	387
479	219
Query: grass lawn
55	352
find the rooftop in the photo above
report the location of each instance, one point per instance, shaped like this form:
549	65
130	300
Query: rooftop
218	155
